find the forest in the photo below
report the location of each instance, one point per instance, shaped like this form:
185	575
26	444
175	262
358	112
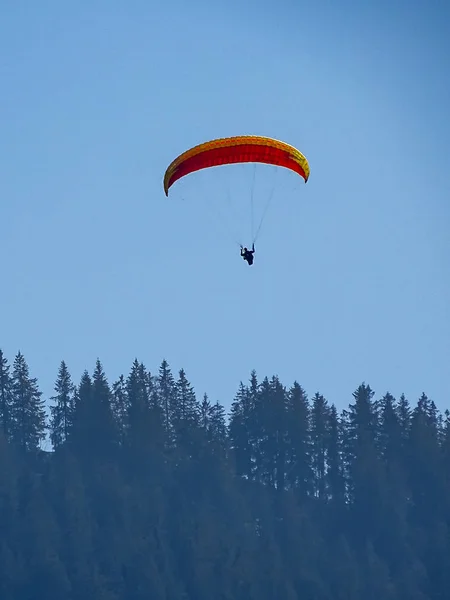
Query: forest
150	492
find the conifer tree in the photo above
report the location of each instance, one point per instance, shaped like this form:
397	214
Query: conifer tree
299	471
167	397
27	408
426	464
94	431
5	396
185	411
367	489
272	434
61	421
336	517
212	422
145	427
445	449
392	533
335	471
83	429
108	431
217	424
445	452
205	414
403	411
319	443
119	406
239	431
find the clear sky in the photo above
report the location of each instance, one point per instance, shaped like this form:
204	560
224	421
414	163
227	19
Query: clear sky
351	278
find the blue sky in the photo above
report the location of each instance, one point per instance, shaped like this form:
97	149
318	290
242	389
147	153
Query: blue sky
351	278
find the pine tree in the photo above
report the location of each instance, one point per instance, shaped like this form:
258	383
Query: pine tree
94	430
392	540
205	414
186	407
82	434
62	412
6	394
239	431
367	489
264	450
426	468
299	473
185	413
27	408
389	438
445	451
102	398
272	435
167	395
403	411
335	472
217	425
319	434
119	406
145	437
212	422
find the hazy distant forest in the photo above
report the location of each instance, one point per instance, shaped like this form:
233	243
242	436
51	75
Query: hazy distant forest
151	493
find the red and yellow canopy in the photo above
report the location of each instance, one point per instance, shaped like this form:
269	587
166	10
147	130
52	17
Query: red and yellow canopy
239	149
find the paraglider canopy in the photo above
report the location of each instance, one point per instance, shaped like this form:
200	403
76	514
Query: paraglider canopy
231	151
238	149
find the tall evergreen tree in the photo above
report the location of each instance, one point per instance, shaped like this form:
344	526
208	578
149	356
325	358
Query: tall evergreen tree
186	406
167	396
335	472
27	408
102	401
367	487
145	421
217	425
240	432
319	443
445	450
272	434
390	434
62	411
336	488
205	414
185	412
94	431
119	406
403	411
426	464
392	541
5	396
299	473
83	429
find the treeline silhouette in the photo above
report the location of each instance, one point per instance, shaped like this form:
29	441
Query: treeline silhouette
152	493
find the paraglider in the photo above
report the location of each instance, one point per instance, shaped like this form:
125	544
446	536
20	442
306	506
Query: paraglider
239	149
234	150
248	254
